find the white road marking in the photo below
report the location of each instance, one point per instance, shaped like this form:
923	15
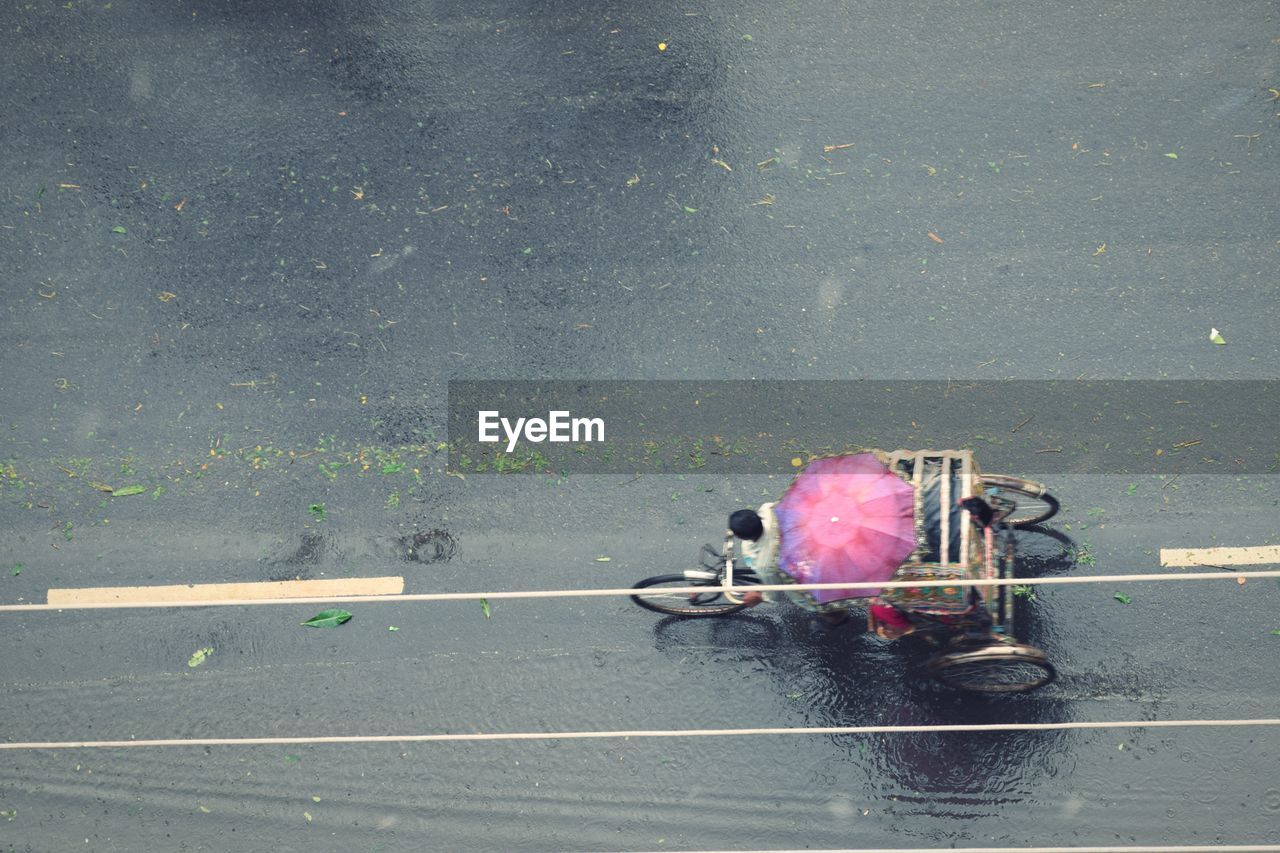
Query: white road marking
1225	556
229	591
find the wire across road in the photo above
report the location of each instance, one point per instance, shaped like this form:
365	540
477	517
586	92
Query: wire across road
626	734
498	595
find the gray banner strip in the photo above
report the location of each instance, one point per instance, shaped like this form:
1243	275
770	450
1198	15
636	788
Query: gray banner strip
1026	428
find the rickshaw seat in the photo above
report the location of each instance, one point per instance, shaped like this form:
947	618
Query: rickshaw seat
930	600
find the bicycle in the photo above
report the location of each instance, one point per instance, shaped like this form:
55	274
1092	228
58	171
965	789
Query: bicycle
973	630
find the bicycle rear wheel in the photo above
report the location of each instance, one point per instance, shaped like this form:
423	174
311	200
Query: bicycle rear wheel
660	599
1033	504
997	668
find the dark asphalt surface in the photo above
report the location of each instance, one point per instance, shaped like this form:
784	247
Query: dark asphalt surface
244	247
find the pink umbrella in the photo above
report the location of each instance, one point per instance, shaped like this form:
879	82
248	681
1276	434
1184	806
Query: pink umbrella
845	519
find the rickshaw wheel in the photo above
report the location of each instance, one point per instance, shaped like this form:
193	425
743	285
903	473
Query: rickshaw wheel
997	668
710	603
1032	503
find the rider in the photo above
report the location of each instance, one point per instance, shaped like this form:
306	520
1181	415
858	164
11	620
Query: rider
758	530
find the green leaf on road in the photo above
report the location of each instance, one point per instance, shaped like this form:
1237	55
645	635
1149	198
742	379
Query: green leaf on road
1275	633
688	209
328	619
1171	156
1216	337
603	559
1122	598
17	569
198	657
317	512
484	606
128	490
119	229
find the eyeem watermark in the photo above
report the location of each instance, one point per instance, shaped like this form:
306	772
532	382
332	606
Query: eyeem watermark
1027	428
559	427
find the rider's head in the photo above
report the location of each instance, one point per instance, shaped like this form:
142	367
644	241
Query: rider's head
746	524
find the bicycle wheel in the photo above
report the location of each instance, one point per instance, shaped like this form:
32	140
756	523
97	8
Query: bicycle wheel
997	668
709	603
1032	503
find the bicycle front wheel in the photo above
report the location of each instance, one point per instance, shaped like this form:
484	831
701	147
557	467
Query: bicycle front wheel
659	597
1032	503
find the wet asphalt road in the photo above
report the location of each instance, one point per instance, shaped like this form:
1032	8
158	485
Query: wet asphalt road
245	247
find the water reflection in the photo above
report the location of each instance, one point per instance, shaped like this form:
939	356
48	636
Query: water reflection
846	676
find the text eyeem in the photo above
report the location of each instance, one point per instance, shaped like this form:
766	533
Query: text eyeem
559	427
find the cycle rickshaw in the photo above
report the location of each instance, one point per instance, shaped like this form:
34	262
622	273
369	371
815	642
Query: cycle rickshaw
971	627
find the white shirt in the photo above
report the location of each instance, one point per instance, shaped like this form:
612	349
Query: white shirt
761	556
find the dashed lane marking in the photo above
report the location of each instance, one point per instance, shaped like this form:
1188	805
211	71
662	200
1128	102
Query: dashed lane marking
1224	556
229	591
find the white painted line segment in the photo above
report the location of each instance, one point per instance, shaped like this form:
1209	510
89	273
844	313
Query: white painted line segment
1224	556
256	591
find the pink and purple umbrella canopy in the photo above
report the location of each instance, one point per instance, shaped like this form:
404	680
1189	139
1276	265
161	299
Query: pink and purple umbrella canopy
845	519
